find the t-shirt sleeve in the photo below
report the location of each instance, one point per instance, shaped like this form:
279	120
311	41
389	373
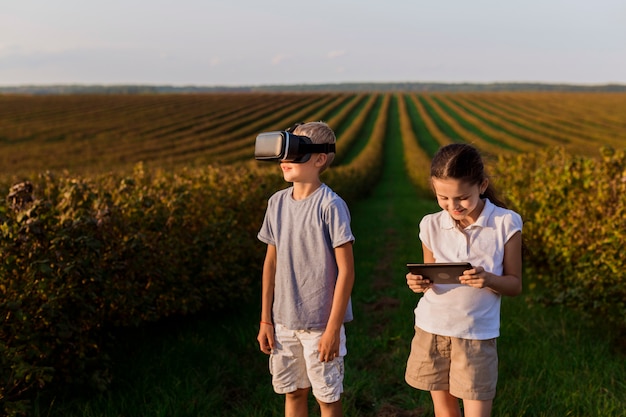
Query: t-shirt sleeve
266	233
424	231
513	226
338	219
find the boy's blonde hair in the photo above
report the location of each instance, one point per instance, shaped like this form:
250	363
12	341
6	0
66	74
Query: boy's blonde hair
318	132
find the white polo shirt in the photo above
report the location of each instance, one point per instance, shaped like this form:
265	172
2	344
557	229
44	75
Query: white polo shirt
459	310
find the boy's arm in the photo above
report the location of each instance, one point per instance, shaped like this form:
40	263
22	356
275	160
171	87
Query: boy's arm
266	329
329	343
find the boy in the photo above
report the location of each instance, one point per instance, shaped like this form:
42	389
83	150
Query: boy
308	274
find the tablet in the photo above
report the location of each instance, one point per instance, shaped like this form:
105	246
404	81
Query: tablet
440	273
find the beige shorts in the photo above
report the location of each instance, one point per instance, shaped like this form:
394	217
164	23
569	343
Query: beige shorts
468	369
295	364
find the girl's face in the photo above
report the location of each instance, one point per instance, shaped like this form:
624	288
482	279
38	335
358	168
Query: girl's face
460	199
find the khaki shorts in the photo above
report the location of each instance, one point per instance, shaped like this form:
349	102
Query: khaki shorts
295	364
468	369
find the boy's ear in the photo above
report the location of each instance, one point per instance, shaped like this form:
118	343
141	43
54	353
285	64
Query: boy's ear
321	159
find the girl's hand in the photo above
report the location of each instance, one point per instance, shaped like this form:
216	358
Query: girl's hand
476	277
417	283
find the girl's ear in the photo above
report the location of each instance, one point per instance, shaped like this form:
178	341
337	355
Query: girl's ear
484	185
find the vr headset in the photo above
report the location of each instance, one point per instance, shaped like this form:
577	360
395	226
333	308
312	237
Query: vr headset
284	146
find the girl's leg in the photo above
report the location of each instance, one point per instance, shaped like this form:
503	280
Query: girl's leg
446	404
331	409
476	408
296	403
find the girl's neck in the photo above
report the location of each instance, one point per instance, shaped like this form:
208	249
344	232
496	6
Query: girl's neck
472	217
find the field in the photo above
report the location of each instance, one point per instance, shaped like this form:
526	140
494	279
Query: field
164	168
87	134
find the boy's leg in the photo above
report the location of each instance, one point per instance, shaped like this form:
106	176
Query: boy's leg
287	364
446	404
296	403
326	378
331	409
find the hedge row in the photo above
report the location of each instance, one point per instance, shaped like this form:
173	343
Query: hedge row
79	257
574	211
416	160
356	179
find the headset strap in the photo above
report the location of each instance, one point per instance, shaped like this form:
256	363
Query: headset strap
316	148
293	127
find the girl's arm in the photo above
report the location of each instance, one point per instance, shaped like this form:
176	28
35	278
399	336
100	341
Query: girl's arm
510	283
429	258
266	329
329	343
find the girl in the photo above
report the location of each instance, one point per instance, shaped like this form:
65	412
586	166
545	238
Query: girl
453	354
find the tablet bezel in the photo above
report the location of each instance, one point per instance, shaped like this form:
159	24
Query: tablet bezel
440	273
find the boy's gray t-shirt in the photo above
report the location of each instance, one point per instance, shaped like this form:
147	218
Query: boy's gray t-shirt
305	233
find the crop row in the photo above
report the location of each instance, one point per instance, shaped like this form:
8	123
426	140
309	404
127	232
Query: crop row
544	123
103	133
58	132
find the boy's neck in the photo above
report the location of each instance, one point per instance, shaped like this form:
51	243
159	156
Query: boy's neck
302	190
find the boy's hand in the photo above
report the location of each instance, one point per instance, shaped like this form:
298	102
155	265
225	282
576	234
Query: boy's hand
417	283
266	338
329	345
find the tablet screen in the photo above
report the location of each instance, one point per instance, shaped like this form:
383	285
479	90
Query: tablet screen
440	273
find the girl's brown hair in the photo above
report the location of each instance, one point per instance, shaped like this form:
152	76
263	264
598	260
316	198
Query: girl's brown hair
463	162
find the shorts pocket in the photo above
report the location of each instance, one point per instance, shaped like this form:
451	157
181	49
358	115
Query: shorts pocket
333	372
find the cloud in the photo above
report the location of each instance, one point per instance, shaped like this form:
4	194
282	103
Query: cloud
335	54
278	59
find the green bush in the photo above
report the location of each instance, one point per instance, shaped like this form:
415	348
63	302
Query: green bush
82	256
574	211
79	257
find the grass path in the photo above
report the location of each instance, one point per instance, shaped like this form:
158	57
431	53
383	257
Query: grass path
552	362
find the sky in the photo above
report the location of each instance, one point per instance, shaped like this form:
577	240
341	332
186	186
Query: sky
270	42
